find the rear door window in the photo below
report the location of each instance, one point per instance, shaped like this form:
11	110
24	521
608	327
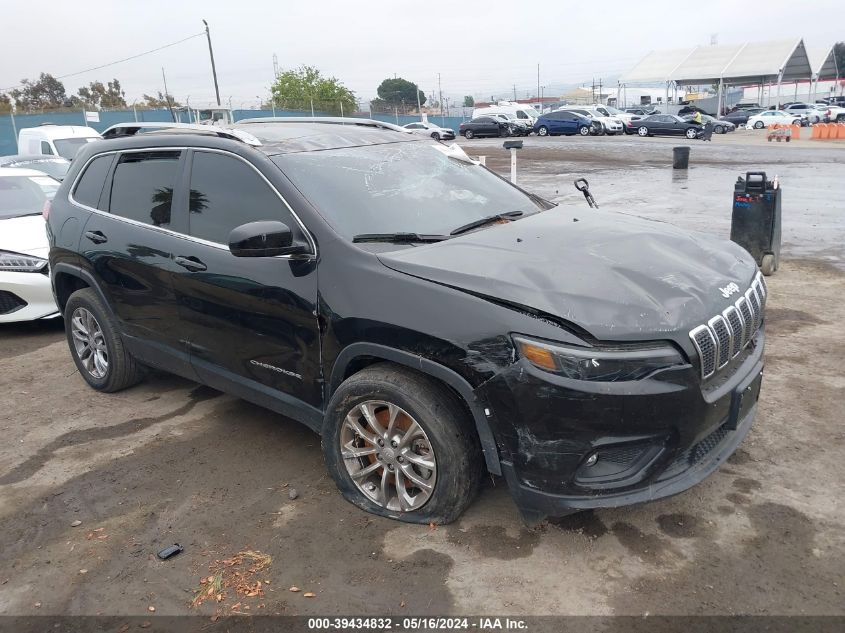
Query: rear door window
45	148
142	186
227	192
89	188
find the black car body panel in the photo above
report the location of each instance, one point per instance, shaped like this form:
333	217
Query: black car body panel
285	332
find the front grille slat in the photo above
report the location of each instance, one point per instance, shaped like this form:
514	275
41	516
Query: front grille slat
725	335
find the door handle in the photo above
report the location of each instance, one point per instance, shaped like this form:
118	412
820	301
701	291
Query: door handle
96	236
191	263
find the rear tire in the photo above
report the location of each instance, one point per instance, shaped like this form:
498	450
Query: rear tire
719	129
446	440
468	134
96	346
642	131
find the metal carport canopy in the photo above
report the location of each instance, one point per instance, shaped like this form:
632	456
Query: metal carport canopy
823	63
656	67
752	62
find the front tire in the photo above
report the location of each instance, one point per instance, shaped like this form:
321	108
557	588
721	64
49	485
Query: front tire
96	346
584	131
759	125
435	136
719	129
691	133
401	445
543	131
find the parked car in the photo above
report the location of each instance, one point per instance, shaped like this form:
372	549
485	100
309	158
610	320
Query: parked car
54	166
517	127
719	126
25	293
834	114
741	116
642	111
666	125
429	129
485	126
423	319
608	124
55	140
691	109
563	122
520	111
809	111
771	117
748	105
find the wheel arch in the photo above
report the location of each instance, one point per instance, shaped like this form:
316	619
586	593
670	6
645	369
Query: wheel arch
357	356
67	279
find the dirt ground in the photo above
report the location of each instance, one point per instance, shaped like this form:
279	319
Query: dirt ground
173	462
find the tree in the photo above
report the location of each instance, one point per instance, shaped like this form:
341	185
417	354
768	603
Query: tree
5	103
469	102
300	88
96	95
398	91
161	101
46	92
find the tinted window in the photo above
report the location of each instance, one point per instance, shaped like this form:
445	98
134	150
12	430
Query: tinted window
142	187
225	193
521	115
90	185
483	119
22	195
45	148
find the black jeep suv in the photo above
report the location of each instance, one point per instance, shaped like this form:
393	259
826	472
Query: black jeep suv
428	318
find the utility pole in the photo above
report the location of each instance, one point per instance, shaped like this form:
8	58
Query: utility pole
213	67
599	99
275	67
167	96
440	91
538	85
514	92
419	105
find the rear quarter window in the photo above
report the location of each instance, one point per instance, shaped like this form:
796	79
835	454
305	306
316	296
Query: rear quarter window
89	187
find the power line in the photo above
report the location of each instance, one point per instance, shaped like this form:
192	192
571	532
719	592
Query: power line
119	61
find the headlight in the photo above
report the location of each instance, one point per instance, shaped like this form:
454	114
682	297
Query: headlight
17	263
627	362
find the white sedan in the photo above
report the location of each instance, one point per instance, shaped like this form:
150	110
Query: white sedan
771	117
25	292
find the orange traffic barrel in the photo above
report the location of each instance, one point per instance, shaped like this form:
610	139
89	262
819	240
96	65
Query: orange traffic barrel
841	134
817	128
796	132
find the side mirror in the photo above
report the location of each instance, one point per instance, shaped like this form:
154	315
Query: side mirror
266	238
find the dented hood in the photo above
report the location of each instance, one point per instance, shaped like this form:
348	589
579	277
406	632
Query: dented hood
617	276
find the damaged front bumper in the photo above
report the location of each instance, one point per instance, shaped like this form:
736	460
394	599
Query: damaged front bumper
569	445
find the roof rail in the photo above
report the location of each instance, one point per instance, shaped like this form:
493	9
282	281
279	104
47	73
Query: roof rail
337	120
131	128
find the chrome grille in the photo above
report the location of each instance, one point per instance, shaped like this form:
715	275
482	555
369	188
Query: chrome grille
725	335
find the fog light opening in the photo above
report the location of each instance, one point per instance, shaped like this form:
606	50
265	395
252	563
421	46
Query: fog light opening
592	459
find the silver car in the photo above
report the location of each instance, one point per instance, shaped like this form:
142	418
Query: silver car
429	129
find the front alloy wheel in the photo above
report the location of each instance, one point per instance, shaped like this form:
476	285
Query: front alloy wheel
691	133
543	131
89	343
388	456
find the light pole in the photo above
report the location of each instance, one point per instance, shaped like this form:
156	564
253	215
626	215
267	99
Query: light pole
213	67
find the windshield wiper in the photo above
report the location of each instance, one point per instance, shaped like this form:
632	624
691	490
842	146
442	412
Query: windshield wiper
399	238
488	220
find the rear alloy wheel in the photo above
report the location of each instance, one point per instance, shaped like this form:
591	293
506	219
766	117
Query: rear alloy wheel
584	131
691	133
759	125
719	129
468	134
642	130
543	131
401	445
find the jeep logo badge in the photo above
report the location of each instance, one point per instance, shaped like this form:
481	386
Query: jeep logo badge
728	290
